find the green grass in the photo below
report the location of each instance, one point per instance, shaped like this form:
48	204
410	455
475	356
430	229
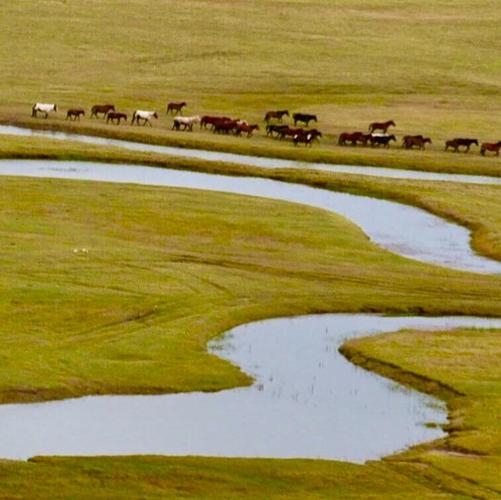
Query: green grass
429	65
180	268
167	270
466	361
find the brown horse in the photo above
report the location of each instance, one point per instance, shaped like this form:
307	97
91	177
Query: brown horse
275	115
225	126
175	107
382	140
103	109
275	129
409	141
384	126
493	147
289	132
246	129
306	137
116	117
456	143
75	114
354	138
211	120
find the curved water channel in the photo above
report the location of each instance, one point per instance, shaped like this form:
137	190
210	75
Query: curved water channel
307	400
253	161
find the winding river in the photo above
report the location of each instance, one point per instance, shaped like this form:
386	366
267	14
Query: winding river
307	400
253	161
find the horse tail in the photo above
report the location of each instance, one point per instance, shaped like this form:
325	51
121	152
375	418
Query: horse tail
133	118
34	110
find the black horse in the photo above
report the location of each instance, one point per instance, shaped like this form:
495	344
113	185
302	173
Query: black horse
382	140
455	144
304	118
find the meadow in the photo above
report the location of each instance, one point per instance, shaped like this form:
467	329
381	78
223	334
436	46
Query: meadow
166	270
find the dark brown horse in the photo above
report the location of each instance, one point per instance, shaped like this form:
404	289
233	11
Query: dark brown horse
211	120
303	118
116	117
306	137
103	109
275	115
384	126
225	126
493	147
409	141
275	129
289	132
353	138
75	114
244	128
456	143
175	107
382	140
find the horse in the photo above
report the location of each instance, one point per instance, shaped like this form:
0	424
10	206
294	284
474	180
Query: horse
456	143
381	126
489	146
303	117
381	140
175	107
210	120
41	107
186	122
270	129
276	115
409	141
103	109
116	116
75	114
245	128
306	137
354	138
145	116
225	126
289	132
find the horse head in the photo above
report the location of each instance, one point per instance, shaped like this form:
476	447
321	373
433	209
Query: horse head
392	138
427	140
155	115
55	107
391	122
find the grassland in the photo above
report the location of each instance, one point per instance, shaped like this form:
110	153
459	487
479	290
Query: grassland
466	361
180	269
167	270
428	65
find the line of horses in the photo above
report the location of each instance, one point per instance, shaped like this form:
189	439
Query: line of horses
377	135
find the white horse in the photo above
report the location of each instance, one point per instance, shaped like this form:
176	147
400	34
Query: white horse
146	116
41	107
186	122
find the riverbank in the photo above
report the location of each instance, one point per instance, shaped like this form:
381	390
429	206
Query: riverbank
434	159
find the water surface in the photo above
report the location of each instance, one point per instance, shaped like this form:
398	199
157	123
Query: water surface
254	161
402	229
307	401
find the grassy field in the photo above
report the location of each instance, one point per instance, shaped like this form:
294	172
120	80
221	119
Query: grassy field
179	270
467	361
430	66
166	270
